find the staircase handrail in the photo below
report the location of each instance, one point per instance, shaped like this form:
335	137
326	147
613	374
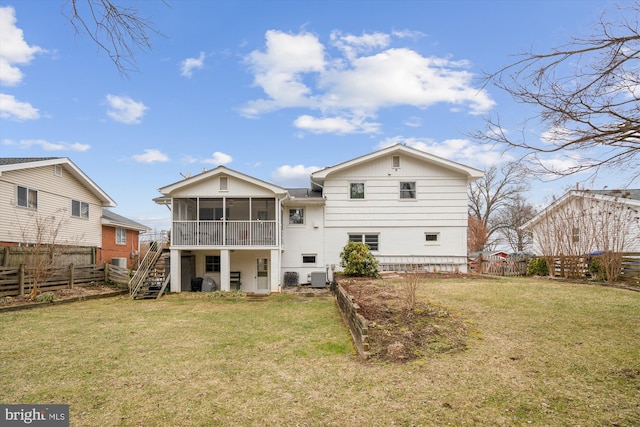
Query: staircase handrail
148	262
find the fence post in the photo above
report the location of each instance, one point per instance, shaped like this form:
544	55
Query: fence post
21	280
71	275
106	273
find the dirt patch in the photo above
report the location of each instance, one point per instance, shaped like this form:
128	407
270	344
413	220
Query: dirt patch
57	296
399	333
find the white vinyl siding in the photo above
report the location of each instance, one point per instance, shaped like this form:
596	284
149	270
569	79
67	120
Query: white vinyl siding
54	200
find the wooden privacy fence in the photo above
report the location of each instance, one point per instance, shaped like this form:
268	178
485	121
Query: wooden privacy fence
499	266
18	281
14	256
577	267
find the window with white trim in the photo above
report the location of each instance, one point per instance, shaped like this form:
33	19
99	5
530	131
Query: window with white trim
121	236
79	209
356	190
27	197
432	238
296	216
308	258
57	170
408	190
371	240
224	183
395	162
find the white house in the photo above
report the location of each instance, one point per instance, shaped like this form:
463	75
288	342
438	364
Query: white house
586	221
234	230
53	196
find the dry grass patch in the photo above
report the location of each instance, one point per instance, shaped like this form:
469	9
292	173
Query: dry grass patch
543	354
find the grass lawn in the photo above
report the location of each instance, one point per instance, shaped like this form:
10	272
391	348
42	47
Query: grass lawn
539	353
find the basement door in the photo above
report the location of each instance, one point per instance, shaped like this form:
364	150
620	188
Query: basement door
262	267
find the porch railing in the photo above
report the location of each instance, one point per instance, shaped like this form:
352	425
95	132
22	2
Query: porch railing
224	233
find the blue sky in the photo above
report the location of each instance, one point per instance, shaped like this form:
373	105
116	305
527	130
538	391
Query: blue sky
274	89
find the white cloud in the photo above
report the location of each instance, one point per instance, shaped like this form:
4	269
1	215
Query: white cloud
336	125
368	76
125	110
414	122
459	150
14	50
294	176
218	158
190	64
11	108
150	156
48	146
280	68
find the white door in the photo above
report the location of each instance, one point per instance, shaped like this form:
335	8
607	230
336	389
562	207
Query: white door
262	275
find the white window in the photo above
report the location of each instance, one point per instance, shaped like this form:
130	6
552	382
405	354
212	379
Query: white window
407	190
27	198
356	190
395	162
224	183
79	209
308	258
576	235
370	240
296	216
57	170
432	238
121	236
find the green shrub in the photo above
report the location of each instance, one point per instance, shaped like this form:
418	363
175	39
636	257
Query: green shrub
596	269
537	267
356	260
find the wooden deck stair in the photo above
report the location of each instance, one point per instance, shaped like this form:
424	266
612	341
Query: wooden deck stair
151	278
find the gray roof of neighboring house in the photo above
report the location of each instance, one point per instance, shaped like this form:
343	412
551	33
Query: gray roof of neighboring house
18	160
632	193
304	192
115	219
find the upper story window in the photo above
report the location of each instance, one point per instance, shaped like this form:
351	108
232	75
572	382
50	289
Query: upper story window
57	170
575	235
224	183
356	190
407	190
296	216
79	209
27	198
121	236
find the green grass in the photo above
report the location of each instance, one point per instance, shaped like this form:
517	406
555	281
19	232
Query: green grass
539	353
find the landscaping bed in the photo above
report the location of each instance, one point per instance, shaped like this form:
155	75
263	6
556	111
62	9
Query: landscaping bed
79	292
401	331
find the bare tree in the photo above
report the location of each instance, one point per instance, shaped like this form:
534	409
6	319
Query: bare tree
494	192
476	235
587	92
118	30
40	234
510	221
587	222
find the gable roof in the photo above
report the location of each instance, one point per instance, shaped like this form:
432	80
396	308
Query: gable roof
112	218
21	163
627	196
220	170
472	174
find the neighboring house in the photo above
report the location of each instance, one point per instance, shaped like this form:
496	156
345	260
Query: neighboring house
120	240
49	200
409	206
586	221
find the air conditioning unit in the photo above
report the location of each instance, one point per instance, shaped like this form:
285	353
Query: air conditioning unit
318	279
119	262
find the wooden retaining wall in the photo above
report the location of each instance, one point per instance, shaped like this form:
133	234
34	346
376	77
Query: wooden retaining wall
355	321
18	281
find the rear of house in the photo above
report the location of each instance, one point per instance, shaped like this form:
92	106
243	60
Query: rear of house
233	231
